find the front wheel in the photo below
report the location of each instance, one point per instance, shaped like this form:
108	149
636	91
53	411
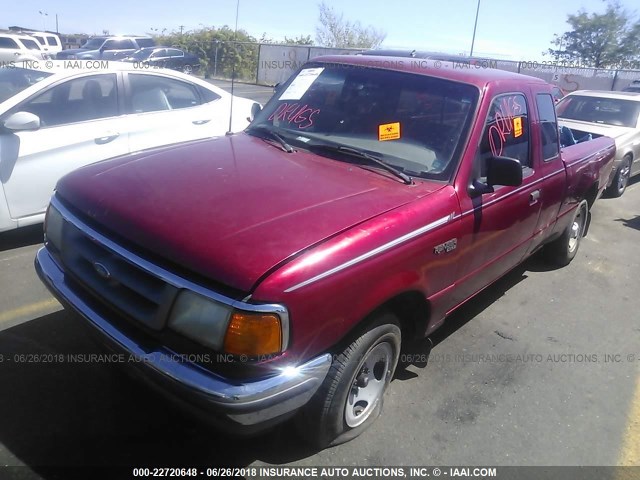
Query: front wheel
562	250
350	399
187	69
621	179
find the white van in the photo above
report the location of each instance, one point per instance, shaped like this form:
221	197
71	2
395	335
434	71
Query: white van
49	42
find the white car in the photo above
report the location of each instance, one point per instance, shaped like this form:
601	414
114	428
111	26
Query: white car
18	48
56	119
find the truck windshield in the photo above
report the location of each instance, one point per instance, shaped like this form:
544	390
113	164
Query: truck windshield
15	80
608	111
415	123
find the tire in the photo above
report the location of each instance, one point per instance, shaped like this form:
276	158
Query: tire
562	250
351	397
621	179
187	69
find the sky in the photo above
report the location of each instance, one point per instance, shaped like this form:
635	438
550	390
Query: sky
507	29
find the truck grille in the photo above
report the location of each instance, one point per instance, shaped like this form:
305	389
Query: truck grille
122	285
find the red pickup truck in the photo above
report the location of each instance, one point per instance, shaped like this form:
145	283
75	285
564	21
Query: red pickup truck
278	271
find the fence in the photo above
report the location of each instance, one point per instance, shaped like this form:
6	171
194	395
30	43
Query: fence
269	64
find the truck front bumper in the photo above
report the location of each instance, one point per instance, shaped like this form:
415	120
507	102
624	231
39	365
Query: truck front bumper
239	406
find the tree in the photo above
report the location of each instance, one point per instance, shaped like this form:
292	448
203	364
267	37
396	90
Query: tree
610	39
334	31
221	50
299	40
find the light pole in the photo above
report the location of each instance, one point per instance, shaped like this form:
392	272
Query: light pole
44	20
475	25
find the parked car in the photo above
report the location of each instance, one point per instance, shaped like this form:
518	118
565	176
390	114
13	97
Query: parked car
166	57
106	48
615	114
277	271
61	118
49	42
634	87
17	48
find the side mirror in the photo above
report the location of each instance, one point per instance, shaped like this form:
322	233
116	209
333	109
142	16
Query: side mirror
504	171
500	171
256	108
22	121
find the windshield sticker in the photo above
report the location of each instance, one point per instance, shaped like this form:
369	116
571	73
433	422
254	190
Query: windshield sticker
517	126
301	84
389	131
299	115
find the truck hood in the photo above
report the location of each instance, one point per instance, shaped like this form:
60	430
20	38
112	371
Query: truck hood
233	208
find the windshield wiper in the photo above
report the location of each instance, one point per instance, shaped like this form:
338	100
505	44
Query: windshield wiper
372	158
266	133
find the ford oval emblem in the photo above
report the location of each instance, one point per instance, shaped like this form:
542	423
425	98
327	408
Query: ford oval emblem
101	270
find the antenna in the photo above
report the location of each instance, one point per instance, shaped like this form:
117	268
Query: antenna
233	68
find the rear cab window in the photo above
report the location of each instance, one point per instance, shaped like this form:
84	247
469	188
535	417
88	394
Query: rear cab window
548	126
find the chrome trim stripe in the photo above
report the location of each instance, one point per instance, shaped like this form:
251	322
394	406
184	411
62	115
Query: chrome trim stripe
374	252
517	190
171	278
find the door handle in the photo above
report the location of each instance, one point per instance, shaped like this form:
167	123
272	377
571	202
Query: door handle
534	197
107	138
201	122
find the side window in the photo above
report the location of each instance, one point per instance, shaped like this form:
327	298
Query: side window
153	93
145	42
123	44
174	52
30	44
52	41
548	126
207	95
160	53
40	39
6	42
506	132
77	100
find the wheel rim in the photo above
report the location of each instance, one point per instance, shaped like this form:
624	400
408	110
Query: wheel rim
186	69
623	177
368	384
577	228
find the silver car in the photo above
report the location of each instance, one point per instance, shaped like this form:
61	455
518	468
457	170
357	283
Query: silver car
591	114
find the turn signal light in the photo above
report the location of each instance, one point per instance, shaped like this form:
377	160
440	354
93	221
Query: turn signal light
253	334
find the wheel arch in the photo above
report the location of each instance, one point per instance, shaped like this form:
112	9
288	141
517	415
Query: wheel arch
410	307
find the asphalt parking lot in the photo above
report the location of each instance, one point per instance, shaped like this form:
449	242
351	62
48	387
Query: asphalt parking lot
542	368
259	93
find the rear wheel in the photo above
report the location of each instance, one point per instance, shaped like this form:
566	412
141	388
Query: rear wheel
621	179
351	397
562	250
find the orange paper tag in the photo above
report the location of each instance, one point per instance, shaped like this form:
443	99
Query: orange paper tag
517	126
389	131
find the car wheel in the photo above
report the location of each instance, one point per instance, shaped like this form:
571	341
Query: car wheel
187	69
351	397
621	179
562	250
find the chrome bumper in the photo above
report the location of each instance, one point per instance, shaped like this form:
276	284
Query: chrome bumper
244	405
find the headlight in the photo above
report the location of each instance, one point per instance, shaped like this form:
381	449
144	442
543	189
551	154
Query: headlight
53	224
224	328
200	319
